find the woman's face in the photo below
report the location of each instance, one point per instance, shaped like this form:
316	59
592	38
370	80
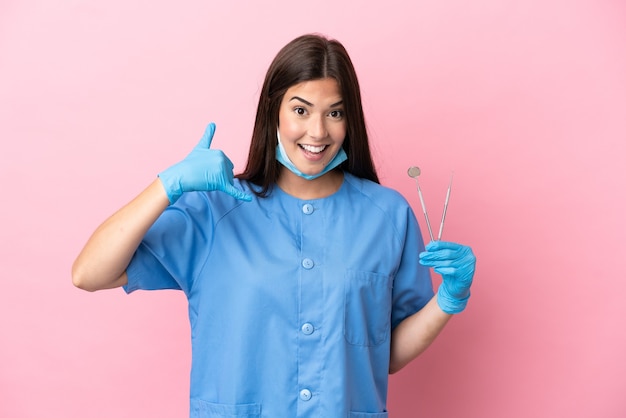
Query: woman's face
311	123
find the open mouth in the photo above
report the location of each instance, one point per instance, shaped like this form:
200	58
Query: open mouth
313	149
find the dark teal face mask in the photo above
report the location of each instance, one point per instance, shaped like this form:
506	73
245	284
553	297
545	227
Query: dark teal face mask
281	156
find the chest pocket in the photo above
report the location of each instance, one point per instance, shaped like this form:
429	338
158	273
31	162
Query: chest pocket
203	409
367	308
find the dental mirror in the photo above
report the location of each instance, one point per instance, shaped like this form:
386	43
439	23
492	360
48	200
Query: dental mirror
414	172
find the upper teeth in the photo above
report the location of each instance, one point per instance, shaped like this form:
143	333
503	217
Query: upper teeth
311	148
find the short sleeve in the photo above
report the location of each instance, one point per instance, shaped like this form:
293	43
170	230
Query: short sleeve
413	286
145	272
175	248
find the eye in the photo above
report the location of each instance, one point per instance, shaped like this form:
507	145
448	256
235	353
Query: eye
336	114
300	111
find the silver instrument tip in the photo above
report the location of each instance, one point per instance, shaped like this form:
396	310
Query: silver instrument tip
414	172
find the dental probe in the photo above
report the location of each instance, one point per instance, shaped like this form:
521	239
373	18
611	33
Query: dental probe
445	208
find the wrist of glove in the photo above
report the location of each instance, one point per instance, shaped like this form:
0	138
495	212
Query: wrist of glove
456	264
203	169
451	304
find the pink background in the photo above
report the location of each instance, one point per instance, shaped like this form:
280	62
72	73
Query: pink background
524	100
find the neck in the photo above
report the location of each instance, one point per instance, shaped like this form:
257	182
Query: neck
304	189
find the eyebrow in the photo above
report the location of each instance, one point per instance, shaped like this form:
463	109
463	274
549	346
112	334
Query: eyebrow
340	102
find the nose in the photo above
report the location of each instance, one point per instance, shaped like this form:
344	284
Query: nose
317	127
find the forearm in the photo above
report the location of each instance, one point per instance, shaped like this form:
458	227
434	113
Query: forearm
103	261
413	335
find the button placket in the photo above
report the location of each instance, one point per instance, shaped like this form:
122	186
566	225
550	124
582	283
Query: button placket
310	355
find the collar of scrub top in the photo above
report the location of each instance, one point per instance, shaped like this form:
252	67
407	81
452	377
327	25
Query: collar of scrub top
414	172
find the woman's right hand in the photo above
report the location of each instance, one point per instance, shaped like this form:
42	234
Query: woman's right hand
103	261
203	169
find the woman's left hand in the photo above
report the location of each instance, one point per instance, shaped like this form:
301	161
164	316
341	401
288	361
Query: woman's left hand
456	264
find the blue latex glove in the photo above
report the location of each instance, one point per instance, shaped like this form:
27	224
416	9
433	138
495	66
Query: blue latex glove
203	169
456	264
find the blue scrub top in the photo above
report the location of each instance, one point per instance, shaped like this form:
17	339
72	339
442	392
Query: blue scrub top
291	302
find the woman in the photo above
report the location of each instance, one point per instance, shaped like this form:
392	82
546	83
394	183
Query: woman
307	281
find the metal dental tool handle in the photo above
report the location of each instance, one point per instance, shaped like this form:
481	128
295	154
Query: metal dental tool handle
414	172
445	208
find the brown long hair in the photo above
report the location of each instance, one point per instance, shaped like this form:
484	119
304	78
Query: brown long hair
308	57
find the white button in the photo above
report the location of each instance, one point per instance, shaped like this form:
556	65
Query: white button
307	263
307	209
307	329
305	394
